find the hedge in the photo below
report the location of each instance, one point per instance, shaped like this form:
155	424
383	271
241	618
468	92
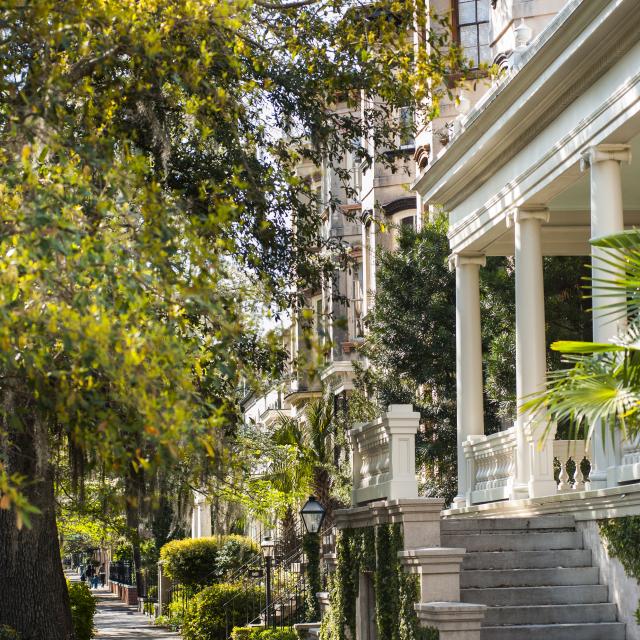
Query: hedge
203	561
83	608
253	633
216	610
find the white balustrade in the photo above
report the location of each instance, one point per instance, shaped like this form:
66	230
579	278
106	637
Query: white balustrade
570	455
491	465
629	468
383	456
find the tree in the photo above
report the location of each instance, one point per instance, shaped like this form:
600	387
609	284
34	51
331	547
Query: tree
148	153
309	441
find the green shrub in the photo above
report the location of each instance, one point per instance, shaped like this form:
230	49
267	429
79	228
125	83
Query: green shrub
287	633
8	633
83	608
204	561
256	633
217	609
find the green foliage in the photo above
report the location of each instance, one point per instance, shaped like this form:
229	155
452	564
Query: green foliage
602	385
161	160
217	609
373	550
197	562
311	548
251	633
622	536
83	609
7	633
386	581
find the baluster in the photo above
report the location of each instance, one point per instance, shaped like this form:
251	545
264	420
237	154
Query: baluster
563	477
572	472
582	474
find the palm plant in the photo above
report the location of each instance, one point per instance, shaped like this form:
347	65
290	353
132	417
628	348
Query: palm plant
602	385
309	440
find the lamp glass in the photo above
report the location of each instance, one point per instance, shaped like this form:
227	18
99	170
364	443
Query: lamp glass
267	545
312	515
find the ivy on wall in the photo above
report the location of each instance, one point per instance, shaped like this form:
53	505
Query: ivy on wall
311	548
622	536
373	550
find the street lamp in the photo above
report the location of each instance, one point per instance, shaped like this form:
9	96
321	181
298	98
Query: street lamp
313	515
268	550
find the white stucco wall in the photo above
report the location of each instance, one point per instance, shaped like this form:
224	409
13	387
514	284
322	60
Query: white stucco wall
623	590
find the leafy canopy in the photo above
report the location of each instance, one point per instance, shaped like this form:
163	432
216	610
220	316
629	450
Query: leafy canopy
148	190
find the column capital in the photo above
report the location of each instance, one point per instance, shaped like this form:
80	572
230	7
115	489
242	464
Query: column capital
461	259
603	152
520	214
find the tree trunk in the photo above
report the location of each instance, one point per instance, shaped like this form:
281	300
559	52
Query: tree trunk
34	598
321	486
134	489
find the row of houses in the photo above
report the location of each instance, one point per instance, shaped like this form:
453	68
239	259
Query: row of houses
533	162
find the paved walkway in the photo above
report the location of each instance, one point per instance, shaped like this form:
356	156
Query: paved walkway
118	621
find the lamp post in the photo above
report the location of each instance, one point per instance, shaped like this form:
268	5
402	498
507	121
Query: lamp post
268	550
312	514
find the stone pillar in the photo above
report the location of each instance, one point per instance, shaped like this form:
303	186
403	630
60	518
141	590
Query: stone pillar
439	570
454	620
164	587
201	516
468	362
607	218
534	464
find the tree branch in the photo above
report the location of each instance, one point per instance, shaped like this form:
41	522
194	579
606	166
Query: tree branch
289	5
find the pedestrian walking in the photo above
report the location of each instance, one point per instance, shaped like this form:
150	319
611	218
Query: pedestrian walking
103	575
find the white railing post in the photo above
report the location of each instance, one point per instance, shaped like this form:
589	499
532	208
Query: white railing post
383	454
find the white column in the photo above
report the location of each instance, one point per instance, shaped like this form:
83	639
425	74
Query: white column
607	218
468	361
534	463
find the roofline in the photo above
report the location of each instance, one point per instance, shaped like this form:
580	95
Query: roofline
511	114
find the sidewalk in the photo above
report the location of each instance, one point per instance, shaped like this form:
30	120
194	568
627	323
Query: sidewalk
117	621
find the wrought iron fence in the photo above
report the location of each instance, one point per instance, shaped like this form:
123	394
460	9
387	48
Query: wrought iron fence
122	571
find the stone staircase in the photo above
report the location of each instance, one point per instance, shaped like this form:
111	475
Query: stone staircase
536	578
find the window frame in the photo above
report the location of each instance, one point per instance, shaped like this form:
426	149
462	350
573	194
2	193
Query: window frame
455	26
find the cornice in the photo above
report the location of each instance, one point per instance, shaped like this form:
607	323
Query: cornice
580	44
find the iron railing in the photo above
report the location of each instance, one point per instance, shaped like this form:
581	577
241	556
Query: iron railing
122	571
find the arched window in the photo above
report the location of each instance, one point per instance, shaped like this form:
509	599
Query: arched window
472	17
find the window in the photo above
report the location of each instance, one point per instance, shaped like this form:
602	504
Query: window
473	29
409	221
407	138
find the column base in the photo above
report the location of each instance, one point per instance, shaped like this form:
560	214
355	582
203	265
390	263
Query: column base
459	502
519	492
612	477
539	488
598	480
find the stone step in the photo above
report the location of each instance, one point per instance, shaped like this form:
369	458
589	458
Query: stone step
528	577
518	596
514	541
551	614
475	525
603	631
527	559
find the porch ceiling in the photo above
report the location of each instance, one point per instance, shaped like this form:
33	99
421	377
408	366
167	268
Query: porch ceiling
568	199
